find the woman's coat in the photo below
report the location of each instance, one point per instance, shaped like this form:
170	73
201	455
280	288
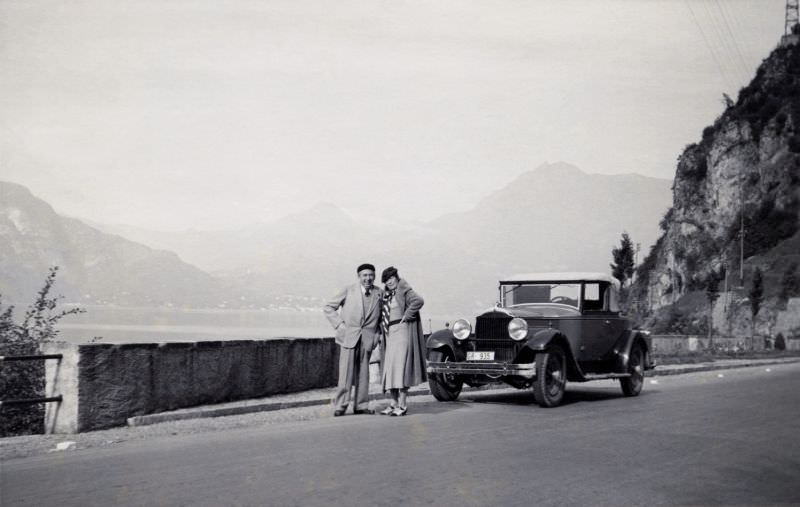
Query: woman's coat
410	303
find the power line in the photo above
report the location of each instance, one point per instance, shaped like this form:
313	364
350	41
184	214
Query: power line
725	43
734	14
732	35
720	67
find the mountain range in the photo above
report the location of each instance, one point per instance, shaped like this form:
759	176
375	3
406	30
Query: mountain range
95	267
553	218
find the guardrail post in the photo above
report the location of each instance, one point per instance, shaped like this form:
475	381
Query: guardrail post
61	378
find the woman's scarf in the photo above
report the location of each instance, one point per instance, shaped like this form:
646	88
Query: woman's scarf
385	310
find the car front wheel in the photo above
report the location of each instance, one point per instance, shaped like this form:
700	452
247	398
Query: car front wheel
551	377
632	385
444	386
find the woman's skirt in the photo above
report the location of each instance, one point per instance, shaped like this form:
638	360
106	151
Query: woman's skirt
394	359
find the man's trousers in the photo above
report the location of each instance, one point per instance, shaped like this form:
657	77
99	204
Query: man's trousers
353	371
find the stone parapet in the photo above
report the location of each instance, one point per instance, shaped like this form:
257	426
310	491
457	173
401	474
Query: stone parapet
680	344
102	385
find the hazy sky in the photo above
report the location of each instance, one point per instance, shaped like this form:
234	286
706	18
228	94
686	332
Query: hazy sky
176	114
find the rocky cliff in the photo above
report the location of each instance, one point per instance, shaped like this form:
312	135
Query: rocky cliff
745	172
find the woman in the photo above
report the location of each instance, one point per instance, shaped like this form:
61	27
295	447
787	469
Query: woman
403	346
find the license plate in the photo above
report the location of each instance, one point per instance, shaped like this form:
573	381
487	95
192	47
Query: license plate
480	356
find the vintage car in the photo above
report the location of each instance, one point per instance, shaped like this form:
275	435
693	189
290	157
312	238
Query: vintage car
545	329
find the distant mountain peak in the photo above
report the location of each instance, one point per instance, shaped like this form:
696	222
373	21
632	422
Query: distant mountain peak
559	168
18	193
8	186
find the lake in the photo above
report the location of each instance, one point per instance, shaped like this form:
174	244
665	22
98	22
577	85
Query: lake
143	325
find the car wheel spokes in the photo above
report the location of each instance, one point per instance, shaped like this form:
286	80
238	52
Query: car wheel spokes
637	371
554	375
444	386
633	383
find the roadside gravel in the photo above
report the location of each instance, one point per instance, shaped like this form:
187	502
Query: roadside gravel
31	445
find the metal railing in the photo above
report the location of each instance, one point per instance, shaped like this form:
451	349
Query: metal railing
30	401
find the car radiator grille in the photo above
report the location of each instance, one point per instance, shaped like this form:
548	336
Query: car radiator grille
492	334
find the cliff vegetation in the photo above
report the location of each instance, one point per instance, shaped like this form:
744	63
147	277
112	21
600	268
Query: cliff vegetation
742	175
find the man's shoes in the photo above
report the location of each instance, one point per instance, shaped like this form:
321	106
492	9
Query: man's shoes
366	411
399	411
388	410
338	413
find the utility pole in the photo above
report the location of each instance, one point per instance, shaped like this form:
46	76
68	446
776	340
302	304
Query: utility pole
727	299
741	233
792	17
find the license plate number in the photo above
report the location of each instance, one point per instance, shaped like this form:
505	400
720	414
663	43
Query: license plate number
479	356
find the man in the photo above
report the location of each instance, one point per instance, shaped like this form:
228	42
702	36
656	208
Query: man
357	333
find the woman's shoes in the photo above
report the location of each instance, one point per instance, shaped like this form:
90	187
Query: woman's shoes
398	411
394	411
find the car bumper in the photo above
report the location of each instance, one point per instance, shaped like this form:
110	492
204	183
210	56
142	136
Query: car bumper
526	370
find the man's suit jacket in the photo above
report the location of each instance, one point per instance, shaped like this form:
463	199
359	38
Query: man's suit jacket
359	322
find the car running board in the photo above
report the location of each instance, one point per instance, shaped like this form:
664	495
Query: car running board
600	376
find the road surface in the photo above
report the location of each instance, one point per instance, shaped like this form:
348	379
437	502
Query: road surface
713	438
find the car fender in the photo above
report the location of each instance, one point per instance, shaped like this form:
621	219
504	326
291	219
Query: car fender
622	349
444	340
542	339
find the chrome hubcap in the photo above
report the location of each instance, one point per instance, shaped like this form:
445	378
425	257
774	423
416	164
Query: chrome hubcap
449	378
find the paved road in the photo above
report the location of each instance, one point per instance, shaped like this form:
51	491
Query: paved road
697	439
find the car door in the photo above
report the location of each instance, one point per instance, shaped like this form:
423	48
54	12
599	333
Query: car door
600	327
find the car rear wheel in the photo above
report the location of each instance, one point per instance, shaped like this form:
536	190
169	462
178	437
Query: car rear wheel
632	386
444	386
551	377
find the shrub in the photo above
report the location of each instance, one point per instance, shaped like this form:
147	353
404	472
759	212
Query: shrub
708	134
666	220
790	284
767	226
780	342
794	144
26	379
700	169
794	173
691	262
780	121
649	263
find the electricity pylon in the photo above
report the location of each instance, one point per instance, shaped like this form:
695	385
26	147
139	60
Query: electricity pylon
792	17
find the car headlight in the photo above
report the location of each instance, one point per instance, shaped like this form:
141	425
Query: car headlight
518	329
462	329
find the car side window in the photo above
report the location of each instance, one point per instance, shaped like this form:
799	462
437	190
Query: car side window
613	303
594	297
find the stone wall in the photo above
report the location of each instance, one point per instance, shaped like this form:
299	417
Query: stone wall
679	344
104	384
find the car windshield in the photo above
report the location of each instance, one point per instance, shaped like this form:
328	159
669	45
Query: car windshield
540	293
